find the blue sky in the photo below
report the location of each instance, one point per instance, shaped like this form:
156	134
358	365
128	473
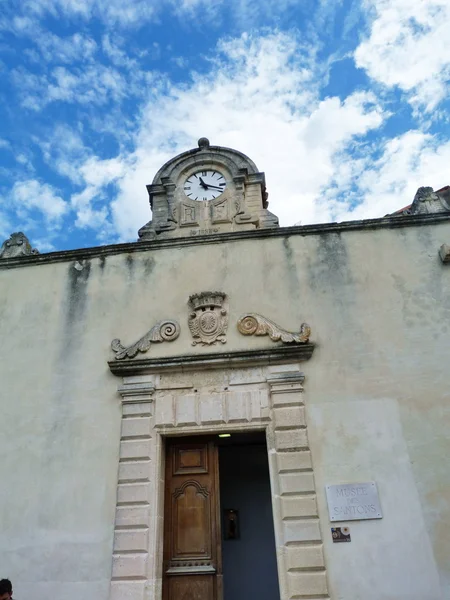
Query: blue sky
343	104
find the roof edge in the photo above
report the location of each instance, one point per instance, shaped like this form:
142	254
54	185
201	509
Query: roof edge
389	222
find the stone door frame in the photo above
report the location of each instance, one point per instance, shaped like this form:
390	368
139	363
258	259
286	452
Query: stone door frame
185	402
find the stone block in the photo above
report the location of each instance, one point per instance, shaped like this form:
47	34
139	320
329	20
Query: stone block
286	398
295	507
236	407
285	418
132	449
127	590
132	516
296	483
165	412
292	439
131	540
304	557
186	410
444	253
294	461
127	566
258	403
134	471
301	531
307	584
136	427
211	409
137	409
133	493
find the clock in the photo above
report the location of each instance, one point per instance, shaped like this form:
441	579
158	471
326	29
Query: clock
204	185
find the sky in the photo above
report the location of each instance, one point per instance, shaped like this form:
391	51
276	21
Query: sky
343	104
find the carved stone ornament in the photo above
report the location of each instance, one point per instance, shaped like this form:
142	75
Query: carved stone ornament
254	324
208	320
427	201
17	245
164	331
444	253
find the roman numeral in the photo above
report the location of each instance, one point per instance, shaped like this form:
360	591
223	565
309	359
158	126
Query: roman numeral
204	173
204	198
187	187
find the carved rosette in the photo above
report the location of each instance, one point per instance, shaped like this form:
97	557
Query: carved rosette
208	320
164	331
254	324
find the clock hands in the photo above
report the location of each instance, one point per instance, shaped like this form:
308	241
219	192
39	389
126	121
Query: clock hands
208	186
204	185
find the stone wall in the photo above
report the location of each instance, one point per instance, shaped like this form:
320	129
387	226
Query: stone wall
375	399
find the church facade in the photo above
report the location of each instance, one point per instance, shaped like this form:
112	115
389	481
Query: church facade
228	409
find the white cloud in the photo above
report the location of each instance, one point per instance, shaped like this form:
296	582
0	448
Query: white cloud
261	98
89	204
64	151
408	47
407	162
122	14
66	50
31	195
93	85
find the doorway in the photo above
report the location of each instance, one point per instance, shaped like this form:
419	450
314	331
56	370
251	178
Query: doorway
218	524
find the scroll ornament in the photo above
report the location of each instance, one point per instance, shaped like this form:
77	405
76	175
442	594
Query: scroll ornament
164	331
254	324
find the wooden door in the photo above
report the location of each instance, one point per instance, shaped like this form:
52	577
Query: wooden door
192	550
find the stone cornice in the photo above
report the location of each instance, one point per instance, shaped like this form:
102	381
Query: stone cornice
220	238
216	360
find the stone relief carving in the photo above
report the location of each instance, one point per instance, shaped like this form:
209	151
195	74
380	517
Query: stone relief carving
427	201
164	331
17	245
208	320
254	324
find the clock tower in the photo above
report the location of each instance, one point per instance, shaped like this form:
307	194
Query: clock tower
205	191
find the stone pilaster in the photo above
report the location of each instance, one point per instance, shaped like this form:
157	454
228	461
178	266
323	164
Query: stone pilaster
133	510
299	543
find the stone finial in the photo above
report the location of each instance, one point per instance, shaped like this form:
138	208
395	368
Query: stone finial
17	245
427	201
203	143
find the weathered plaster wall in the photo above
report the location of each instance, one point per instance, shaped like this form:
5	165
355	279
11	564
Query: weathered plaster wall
376	393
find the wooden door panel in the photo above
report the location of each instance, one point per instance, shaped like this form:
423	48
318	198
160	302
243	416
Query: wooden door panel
190	460
191	530
192	587
192	553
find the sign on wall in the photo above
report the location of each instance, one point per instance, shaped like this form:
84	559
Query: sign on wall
352	501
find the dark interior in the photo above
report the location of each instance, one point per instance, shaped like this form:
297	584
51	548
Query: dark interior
249	559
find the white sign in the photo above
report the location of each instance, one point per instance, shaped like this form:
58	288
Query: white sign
352	501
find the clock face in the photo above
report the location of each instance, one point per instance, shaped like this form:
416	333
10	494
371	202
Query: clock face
204	185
